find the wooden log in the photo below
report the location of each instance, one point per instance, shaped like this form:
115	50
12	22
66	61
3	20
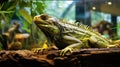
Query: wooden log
91	57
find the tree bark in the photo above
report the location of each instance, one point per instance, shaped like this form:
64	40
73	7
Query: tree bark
91	57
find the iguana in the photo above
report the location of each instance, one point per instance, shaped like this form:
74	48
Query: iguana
69	37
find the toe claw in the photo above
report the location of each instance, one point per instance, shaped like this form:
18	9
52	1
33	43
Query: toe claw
64	51
38	50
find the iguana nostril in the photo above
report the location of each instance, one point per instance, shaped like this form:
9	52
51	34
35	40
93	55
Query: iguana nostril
35	18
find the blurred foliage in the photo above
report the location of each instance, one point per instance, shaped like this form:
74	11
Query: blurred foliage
118	29
0	46
26	15
24	11
7	10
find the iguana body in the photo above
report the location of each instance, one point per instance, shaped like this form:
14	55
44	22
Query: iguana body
69	37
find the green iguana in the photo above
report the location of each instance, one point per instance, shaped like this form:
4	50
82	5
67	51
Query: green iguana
69	37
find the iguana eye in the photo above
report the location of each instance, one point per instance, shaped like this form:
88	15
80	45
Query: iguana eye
44	17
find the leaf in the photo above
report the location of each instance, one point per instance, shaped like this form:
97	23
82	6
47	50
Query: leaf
26	15
13	5
26	26
1	5
6	11
9	5
40	7
23	4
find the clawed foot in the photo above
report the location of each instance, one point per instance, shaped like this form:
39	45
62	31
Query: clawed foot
65	50
62	52
38	50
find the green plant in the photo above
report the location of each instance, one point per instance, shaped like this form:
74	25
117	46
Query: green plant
25	10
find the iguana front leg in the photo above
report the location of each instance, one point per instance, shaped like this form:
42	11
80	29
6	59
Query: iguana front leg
73	42
69	48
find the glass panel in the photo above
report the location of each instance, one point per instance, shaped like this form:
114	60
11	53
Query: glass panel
61	9
118	26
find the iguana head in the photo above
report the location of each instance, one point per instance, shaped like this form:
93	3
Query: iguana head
46	23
